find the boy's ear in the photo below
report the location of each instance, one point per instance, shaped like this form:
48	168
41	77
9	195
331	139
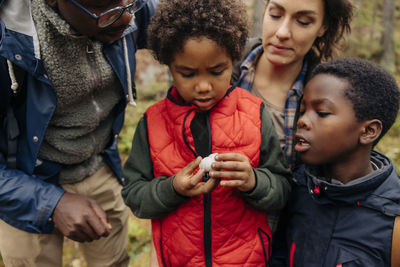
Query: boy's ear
52	3
371	131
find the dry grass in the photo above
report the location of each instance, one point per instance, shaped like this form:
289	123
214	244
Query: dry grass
138	246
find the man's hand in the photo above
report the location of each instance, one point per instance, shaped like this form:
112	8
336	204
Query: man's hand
189	184
80	218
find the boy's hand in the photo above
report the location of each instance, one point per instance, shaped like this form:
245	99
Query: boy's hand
188	184
80	218
236	168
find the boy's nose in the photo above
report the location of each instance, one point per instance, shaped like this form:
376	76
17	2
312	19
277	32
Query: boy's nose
203	86
302	123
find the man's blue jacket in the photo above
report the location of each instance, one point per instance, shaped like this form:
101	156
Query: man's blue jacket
29	193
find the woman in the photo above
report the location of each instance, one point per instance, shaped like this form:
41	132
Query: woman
296	36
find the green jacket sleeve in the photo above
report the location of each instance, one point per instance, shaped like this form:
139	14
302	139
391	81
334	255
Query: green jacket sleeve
272	174
147	196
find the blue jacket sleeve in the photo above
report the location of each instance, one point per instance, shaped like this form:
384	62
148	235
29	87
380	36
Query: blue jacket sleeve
27	202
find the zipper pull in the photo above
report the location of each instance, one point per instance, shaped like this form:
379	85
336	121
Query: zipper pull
89	47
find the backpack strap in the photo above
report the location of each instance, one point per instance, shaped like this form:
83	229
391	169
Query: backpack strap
396	243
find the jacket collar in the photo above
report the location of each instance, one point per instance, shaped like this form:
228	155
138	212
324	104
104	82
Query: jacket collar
378	190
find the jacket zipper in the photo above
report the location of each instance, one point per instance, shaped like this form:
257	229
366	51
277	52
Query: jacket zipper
207	225
206	197
207	208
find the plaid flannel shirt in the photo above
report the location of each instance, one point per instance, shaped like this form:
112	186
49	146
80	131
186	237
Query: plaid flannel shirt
245	81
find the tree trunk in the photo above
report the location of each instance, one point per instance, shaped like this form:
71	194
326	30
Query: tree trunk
388	23
372	31
258	17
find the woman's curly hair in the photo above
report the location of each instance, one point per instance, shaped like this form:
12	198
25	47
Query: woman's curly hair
176	21
338	16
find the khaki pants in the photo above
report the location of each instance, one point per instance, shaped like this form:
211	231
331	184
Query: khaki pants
23	249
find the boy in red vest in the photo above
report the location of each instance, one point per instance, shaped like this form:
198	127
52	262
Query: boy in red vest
215	217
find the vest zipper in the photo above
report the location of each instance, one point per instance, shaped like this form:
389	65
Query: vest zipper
207	225
207	208
203	149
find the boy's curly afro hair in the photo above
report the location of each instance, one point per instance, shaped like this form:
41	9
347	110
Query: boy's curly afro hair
373	91
175	21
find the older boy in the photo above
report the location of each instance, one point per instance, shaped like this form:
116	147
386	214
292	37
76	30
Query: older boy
65	69
346	196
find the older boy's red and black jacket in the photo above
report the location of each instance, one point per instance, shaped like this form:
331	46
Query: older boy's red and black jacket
219	228
331	224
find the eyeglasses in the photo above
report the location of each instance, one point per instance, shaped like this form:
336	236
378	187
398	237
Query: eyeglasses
110	16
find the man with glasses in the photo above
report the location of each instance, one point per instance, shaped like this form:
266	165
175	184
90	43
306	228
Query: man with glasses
66	73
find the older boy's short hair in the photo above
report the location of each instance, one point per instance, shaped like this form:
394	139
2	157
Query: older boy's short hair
374	91
175	21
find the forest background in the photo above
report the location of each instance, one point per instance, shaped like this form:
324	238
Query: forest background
375	36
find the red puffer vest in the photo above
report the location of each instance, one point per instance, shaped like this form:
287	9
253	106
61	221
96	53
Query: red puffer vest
220	228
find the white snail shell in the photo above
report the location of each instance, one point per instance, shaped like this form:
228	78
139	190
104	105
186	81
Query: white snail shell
205	163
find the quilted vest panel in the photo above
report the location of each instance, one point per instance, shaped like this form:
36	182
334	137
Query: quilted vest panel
240	234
